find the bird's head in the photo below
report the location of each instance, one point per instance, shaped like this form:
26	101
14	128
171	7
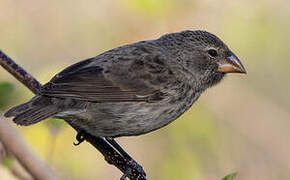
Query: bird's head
205	56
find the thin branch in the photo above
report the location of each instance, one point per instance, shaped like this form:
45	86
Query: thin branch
19	73
12	140
112	156
15	167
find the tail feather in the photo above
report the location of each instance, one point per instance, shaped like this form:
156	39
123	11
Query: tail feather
34	111
17	110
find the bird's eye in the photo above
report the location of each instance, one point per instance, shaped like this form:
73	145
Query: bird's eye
212	52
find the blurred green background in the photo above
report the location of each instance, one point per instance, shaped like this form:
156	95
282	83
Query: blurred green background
240	125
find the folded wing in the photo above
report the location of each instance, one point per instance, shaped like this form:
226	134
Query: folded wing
88	83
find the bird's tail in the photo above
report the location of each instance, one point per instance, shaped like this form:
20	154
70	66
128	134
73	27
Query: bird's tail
37	109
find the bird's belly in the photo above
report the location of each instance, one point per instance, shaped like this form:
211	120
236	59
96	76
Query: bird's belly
130	118
124	119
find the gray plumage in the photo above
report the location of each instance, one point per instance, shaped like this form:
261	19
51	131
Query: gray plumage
132	89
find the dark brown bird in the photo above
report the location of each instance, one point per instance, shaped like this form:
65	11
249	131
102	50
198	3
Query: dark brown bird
133	89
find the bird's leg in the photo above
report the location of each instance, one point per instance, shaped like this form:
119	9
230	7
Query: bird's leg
131	163
80	137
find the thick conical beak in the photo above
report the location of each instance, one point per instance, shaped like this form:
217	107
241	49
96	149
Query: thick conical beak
231	64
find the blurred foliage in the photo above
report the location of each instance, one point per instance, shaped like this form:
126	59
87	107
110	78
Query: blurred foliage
154	8
191	138
7	162
5	93
237	125
230	176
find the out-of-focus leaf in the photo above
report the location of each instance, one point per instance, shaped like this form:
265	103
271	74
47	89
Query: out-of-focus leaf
5	92
230	176
7	162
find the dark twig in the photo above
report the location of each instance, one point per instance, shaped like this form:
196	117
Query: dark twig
19	73
128	166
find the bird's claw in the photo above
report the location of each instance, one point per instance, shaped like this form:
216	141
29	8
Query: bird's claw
131	166
126	174
80	138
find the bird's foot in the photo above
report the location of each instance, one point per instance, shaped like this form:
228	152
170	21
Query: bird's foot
80	137
131	168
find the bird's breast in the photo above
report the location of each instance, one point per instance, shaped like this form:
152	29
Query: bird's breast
151	116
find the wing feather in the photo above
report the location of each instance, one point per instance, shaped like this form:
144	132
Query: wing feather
90	84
